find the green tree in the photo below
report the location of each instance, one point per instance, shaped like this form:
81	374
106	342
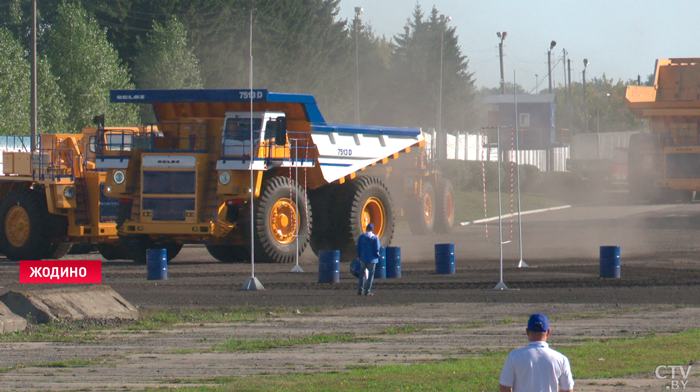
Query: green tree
165	61
51	107
88	67
416	81
14	87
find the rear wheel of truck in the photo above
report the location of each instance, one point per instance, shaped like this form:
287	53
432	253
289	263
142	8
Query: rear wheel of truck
25	226
362	201
322	204
422	218
229	253
135	248
282	217
444	205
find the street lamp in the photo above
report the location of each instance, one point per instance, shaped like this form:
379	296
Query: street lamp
549	63
502	36
585	104
358	12
442	39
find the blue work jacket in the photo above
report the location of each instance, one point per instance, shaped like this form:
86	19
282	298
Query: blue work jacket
368	248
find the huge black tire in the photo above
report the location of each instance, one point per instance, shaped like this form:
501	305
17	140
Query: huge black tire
112	252
26	227
445	207
229	253
323	235
135	248
278	220
361	201
421	218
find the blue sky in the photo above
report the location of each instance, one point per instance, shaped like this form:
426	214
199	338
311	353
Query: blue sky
621	38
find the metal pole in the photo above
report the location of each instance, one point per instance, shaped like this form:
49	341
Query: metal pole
358	11
439	105
585	103
500	285
500	55
549	69
521	263
33	106
570	102
252	283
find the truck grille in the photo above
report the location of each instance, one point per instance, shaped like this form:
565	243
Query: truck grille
168	209
169	183
682	165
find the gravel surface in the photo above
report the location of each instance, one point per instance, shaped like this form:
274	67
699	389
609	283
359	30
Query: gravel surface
457	314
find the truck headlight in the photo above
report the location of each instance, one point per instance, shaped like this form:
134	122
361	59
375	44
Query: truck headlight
119	177
224	178
69	192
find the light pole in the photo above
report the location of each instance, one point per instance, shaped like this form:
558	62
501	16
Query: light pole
439	108
358	12
585	104
549	63
502	36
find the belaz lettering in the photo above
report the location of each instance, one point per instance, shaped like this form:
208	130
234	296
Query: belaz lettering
132	97
168	161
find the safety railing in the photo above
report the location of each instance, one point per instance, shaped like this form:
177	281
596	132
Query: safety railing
680	136
54	164
162	137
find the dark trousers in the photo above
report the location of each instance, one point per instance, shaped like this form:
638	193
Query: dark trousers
366	284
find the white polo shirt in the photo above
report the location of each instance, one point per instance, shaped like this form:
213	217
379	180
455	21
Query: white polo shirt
537	368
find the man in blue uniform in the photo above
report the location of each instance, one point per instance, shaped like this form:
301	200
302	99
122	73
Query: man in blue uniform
368	253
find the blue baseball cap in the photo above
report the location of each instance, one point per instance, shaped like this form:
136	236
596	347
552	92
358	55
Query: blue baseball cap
370	227
538	323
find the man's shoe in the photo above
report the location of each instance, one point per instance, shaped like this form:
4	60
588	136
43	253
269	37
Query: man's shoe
359	293
369	294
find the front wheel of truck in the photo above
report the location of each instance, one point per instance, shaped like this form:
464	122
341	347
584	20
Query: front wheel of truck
282	218
25	226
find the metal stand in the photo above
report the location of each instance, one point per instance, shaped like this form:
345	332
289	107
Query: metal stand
521	263
252	284
500	285
297	268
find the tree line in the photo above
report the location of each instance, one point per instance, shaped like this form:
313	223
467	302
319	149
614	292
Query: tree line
85	48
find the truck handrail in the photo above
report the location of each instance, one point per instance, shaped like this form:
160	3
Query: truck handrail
299	151
54	164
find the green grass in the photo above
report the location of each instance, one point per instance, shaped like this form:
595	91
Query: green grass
83	331
257	345
469	206
621	357
401	329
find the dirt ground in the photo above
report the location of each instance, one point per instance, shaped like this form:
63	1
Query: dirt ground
458	315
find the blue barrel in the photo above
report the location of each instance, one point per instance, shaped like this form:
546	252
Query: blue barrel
380	269
355	267
393	262
156	264
329	266
445	259
609	261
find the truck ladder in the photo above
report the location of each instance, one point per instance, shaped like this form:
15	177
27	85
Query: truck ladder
82	212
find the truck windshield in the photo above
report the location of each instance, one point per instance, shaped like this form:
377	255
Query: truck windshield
238	129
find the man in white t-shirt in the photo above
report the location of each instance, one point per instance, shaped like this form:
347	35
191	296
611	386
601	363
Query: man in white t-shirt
536	367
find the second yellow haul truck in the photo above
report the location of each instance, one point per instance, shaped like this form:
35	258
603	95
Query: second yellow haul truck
188	179
664	165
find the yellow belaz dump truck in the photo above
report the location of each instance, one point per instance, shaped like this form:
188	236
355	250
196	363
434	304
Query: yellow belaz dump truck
51	198
664	165
189	179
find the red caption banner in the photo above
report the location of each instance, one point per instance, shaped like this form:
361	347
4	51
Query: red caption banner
64	271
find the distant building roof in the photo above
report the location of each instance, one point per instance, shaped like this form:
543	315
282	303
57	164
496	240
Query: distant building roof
522	98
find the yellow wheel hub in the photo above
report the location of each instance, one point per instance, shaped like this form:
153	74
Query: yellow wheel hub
284	221
428	208
373	212
17	226
450	207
